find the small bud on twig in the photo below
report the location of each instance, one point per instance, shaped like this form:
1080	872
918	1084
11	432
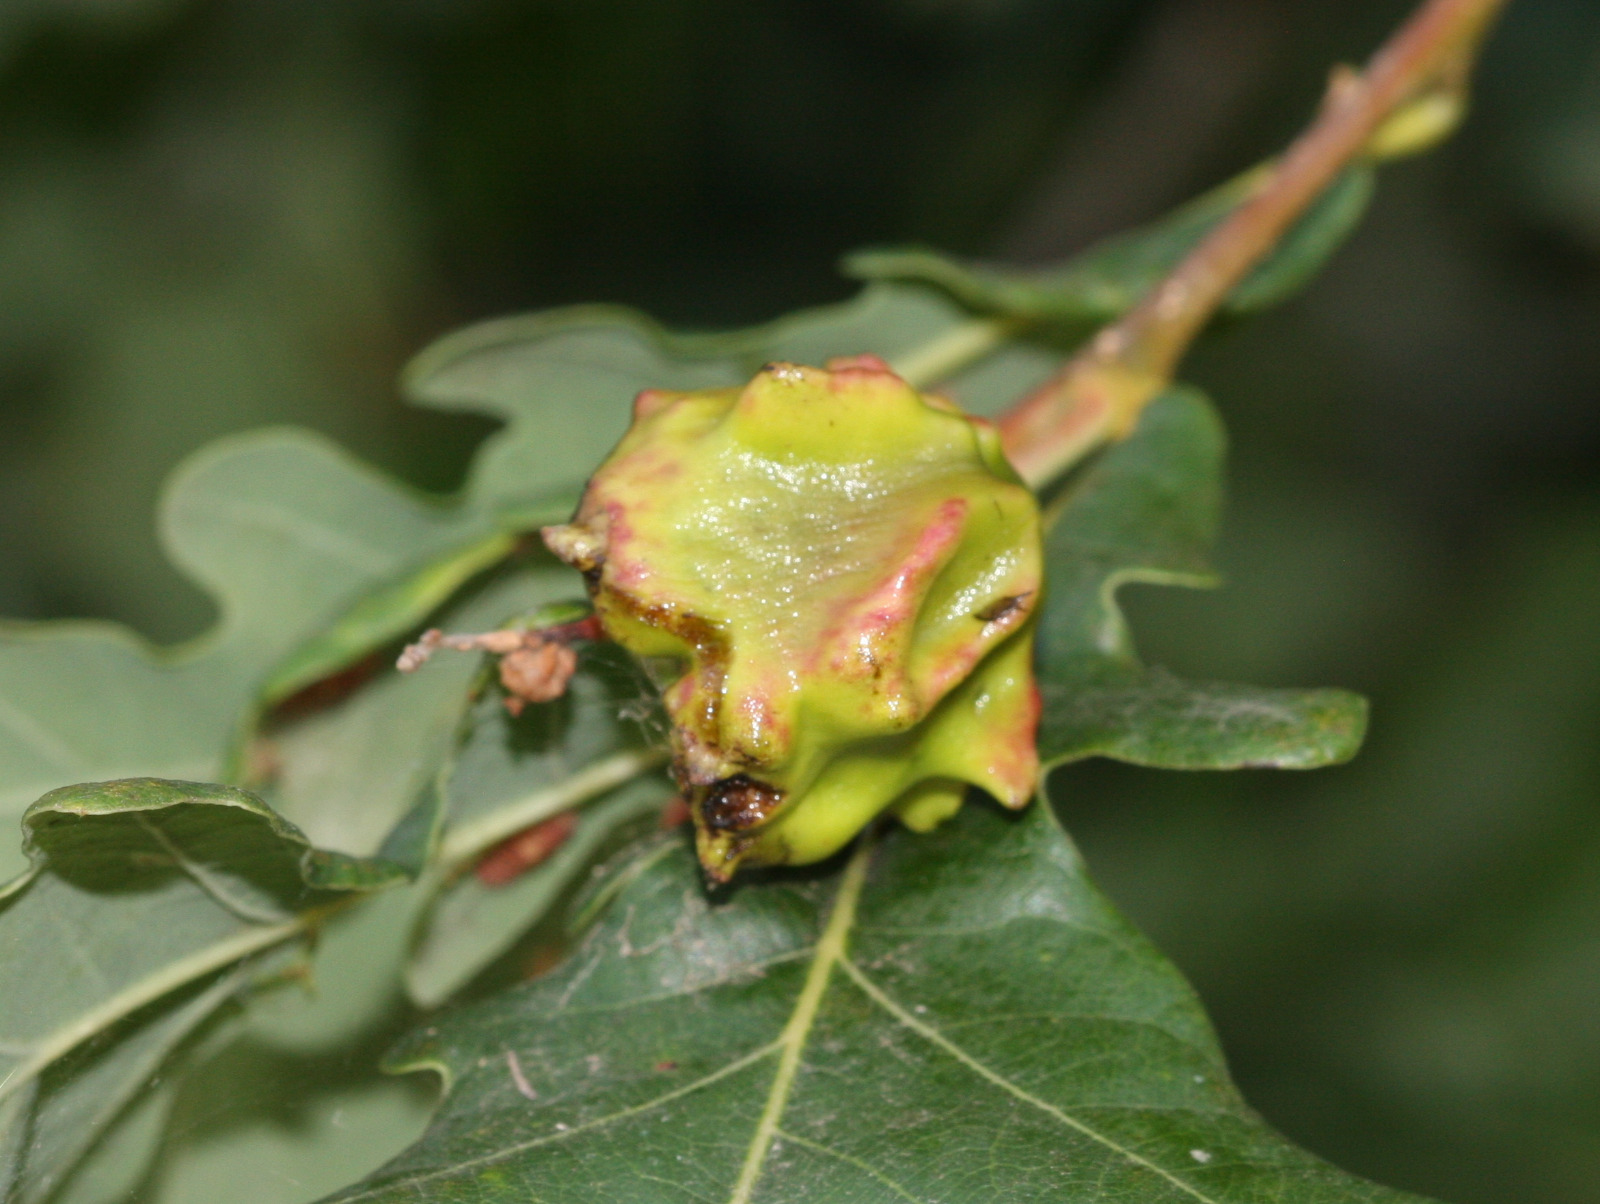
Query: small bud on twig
536	674
414	656
535	666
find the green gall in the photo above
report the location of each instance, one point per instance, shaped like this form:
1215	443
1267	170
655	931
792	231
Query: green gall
834	578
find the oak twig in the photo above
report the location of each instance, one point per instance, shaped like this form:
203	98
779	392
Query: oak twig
1410	95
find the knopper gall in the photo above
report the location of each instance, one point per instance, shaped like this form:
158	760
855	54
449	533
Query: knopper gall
834	579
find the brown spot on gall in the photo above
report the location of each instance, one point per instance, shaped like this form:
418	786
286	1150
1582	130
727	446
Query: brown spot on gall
1002	608
737	803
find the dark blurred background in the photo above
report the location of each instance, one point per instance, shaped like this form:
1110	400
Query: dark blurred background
216	214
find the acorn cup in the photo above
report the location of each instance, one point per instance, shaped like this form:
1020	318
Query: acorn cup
833	577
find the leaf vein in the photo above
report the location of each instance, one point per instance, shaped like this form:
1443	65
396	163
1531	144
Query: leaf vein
520	1147
852	1160
1208	1052
736	974
317	537
937	1038
207	881
981	929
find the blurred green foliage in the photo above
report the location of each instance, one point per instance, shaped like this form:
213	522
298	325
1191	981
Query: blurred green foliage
216	214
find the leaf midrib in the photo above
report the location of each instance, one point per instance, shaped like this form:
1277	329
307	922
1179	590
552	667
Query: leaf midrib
830	951
150	988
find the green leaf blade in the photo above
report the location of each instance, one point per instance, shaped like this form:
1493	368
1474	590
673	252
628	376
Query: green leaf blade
80	1099
139	888
287	533
381	616
1108	279
467	924
987	1029
1147	511
1163	722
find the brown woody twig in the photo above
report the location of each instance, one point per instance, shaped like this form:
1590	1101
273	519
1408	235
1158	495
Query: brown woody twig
1410	95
